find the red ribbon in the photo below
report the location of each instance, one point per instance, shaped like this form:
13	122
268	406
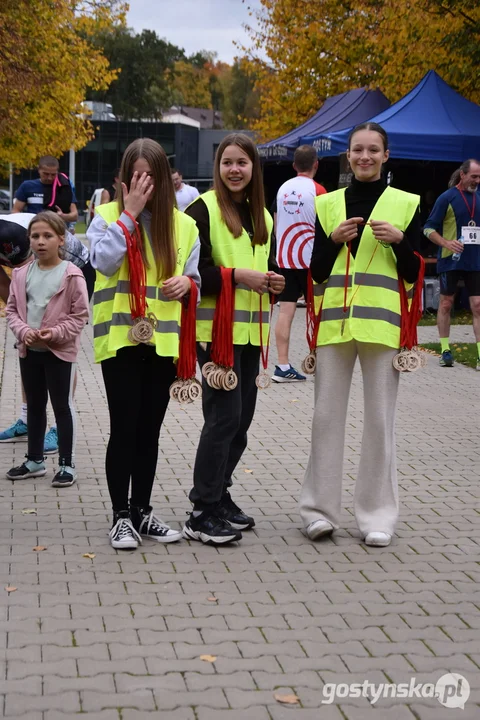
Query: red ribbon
410	317
264	352
471	210
187	356
221	351
312	319
137	275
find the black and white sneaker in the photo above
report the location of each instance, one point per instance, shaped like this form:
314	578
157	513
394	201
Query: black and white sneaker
229	511
65	477
149	525
210	528
123	535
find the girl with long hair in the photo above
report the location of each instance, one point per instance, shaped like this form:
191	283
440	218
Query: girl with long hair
235	232
145	252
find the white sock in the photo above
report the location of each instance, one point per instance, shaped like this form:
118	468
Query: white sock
23	414
284	368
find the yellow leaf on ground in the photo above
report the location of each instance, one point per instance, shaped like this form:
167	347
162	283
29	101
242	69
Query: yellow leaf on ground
247	470
89	555
287	699
294	400
208	658
39	548
10	588
29	511
212	599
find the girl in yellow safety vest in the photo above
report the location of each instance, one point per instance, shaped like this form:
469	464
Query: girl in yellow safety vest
235	233
145	252
365	238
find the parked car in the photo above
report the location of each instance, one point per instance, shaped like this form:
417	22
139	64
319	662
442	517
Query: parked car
4	200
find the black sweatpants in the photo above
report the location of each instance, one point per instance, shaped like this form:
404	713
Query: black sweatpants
44	374
137	383
227	416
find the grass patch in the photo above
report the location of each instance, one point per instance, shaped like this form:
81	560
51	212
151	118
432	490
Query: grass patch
80	228
464	353
462	317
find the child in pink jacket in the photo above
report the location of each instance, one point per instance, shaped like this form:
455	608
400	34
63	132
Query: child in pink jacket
46	310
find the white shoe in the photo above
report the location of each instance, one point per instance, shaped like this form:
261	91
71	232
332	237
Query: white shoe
318	528
378	539
123	535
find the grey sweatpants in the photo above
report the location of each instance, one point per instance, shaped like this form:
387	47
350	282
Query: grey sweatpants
376	491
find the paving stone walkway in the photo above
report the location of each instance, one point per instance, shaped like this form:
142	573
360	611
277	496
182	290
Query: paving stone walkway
120	636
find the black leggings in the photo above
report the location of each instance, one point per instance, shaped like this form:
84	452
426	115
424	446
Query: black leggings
89	274
137	381
44	374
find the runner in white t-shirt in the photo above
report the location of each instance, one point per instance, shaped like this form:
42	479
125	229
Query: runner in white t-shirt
185	194
295	232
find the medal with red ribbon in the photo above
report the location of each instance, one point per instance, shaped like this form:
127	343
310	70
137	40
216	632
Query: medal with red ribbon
263	380
219	372
409	358
186	387
143	325
313	325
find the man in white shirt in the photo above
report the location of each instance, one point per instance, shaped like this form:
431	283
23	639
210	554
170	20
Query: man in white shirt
185	193
295	232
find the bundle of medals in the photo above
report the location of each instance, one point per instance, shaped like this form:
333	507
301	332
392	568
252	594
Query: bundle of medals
186	388
410	358
313	323
219	373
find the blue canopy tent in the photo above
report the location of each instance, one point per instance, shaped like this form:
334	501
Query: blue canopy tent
336	113
432	122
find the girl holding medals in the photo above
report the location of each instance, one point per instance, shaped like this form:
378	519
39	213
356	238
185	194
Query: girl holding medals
145	253
232	331
365	261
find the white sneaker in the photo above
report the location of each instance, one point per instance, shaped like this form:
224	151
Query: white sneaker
318	528
123	535
378	539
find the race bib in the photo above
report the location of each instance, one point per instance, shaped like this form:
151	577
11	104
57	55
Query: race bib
471	235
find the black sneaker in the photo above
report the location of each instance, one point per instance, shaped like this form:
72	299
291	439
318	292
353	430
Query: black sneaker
230	512
149	525
28	469
123	535
210	528
65	477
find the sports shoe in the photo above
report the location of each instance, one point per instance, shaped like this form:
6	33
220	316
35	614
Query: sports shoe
15	433
229	511
149	525
123	535
447	359
210	529
378	539
28	469
65	477
318	529
50	446
290	375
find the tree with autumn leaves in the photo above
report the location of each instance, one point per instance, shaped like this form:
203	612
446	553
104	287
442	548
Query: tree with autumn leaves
304	51
47	63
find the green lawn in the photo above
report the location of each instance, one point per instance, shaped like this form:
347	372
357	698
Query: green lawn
464	353
462	317
80	228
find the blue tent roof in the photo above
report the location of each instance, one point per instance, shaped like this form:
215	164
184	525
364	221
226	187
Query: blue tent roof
432	122
337	112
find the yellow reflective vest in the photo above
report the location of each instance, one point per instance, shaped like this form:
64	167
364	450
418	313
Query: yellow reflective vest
111	308
374	314
231	252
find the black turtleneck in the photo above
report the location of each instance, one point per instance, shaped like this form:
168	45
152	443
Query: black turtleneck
360	199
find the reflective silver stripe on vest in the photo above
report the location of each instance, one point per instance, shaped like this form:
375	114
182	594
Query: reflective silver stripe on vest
318	290
376	280
125	319
371	313
336	281
242	286
243	316
123	286
333	314
265	316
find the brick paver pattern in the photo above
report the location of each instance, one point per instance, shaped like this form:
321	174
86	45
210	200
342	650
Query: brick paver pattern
120	636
